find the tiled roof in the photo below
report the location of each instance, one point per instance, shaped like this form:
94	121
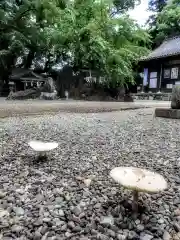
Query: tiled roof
169	47
18	73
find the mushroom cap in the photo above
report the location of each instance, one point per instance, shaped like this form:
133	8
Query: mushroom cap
39	146
139	179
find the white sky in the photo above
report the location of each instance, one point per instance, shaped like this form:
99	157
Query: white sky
140	13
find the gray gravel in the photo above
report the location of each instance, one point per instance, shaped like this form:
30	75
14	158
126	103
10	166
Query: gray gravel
39	107
51	200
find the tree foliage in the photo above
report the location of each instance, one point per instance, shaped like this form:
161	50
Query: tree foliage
121	6
83	33
156	7
168	20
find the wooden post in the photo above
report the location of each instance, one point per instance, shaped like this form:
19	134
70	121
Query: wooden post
160	80
145	79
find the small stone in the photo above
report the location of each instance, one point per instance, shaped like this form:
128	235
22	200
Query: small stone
67	197
58	200
153	220
121	237
38	222
146	237
132	235
16	228
39	197
93	232
115	228
107	221
176	226
19	211
100	228
20	191
37	235
44	229
177	180
176	236
140	227
161	221
77	229
45	236
4	223
64	227
46	214
177	212
76	219
57	206
137	221
101	236
68	235
82	204
71	224
86	194
61	213
166	236
2	194
77	211
46	219
111	233
58	222
3	213
82	215
58	191
97	205
10	199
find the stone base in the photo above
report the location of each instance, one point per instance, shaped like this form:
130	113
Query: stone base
167	113
48	96
23	95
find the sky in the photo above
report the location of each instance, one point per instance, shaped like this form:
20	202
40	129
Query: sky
140	13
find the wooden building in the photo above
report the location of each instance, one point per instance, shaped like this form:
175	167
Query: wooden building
162	67
22	79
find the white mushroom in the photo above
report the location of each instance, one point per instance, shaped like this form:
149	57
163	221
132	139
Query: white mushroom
42	147
87	182
138	180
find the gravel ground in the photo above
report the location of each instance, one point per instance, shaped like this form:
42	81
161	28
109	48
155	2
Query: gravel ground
54	200
34	107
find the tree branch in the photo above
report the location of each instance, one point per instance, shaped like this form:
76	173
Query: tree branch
24	13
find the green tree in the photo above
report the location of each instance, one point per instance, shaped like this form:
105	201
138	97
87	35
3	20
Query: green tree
98	41
83	33
156	7
121	6
168	20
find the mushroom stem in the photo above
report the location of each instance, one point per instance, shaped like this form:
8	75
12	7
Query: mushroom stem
42	156
135	201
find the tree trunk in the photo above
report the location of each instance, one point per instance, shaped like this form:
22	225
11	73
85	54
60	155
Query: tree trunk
29	59
121	92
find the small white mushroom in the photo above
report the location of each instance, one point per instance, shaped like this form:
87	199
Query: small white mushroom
138	180
87	182
42	147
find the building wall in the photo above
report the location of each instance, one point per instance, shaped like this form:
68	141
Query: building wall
163	74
